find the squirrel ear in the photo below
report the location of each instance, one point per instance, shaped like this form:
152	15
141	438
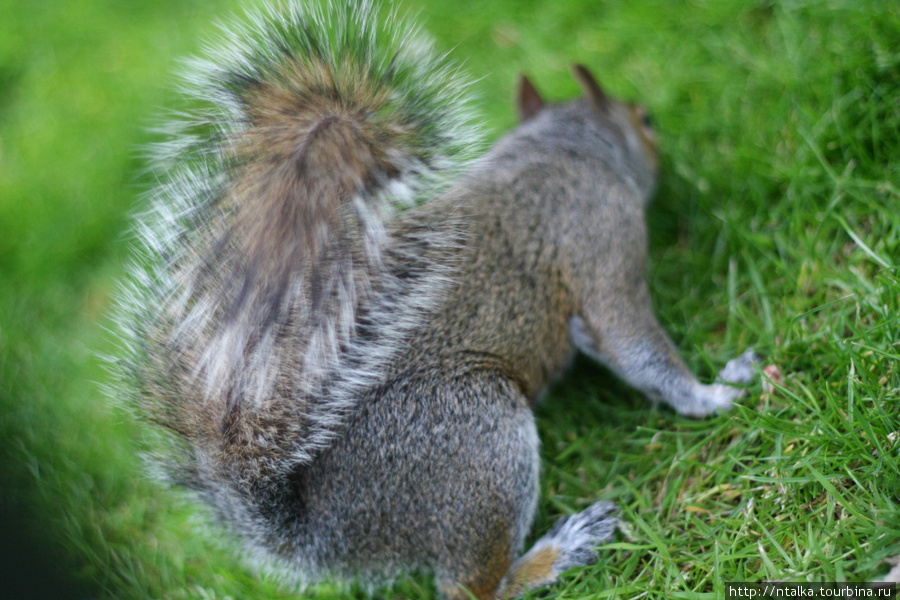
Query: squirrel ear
530	101
590	87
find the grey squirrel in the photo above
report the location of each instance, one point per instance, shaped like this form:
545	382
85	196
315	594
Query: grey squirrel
340	319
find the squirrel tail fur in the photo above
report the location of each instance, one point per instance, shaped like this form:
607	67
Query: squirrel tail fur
267	293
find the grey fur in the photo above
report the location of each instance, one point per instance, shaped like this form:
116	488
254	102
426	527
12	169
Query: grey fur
350	385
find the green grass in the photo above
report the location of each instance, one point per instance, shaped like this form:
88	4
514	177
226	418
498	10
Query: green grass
777	225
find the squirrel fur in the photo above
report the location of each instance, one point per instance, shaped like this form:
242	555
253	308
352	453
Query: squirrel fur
341	319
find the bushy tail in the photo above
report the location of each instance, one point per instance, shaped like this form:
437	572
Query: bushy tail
267	293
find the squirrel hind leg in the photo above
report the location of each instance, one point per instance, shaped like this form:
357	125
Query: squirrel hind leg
572	542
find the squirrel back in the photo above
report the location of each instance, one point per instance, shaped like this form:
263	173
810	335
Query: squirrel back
267	291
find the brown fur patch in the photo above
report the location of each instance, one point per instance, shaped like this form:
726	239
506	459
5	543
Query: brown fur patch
485	584
638	116
488	570
533	570
301	157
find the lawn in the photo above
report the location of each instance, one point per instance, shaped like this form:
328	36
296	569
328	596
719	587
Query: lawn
777	226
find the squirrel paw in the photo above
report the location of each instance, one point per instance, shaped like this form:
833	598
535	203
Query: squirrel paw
577	536
741	369
722	394
572	542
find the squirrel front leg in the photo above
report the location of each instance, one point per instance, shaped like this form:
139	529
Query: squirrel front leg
624	334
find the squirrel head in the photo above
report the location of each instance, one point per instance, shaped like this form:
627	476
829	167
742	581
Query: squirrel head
632	119
629	121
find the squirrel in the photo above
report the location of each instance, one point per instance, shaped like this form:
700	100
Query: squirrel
340	317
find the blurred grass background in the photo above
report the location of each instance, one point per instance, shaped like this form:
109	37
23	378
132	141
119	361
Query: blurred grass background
777	225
